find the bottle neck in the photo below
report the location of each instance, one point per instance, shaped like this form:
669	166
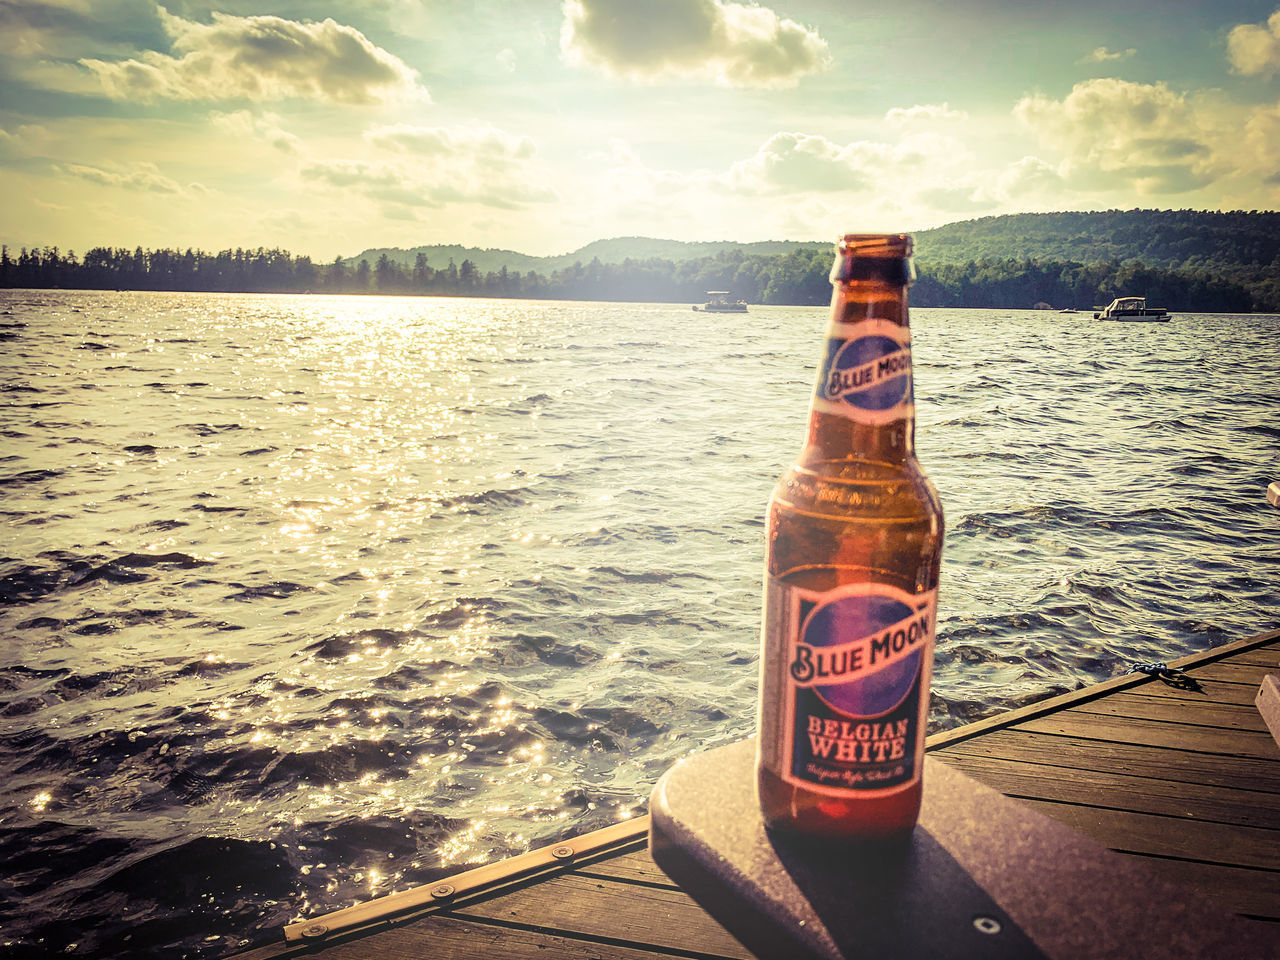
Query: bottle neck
864	402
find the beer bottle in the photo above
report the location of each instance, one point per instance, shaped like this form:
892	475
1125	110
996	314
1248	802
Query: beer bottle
854	545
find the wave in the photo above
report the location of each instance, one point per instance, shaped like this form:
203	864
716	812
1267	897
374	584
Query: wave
341	646
29	582
29	476
497	497
206	429
273	590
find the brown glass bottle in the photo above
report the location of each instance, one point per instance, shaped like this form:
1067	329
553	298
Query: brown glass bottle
854	545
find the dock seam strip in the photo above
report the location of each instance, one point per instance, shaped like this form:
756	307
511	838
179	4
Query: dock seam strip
449	892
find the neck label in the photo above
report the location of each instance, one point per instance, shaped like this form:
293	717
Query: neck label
866	373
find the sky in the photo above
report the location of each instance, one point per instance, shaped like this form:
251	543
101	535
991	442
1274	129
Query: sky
328	127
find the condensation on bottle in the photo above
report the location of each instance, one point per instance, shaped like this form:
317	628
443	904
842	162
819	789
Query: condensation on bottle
853	551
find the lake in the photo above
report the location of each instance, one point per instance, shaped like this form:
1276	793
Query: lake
306	599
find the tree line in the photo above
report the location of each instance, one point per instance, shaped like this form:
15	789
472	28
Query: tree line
799	277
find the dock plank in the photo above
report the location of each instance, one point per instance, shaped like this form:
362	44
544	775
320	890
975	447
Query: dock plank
1123	791
1234	671
1143	706
1094	726
1158	763
587	908
1252	893
637	867
1211	691
461	939
1265	657
1154	835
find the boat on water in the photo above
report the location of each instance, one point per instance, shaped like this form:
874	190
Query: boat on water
718	302
1132	308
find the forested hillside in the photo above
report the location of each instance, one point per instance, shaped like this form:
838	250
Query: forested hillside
1181	260
1184	239
1187	250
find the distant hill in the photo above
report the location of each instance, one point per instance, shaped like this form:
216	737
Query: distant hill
612	251
1196	260
1170	239
439	255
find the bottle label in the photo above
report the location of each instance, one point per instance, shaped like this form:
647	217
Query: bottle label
866	374
855	694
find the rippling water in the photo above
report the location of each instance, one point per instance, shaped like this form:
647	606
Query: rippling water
307	599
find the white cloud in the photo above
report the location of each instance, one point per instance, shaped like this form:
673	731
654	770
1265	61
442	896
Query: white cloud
1030	178
927	113
731	44
260	58
245	125
1260	154
965	188
797	162
960	196
144	176
26	139
473	141
1113	133
1104	55
412	166
1254	48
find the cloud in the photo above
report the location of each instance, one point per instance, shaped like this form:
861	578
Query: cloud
260	58
731	44
473	141
245	125
435	166
59	28
23	141
1254	49
1029	177
143	176
797	162
1113	133
1260	145
1103	55
1025	184
958	197
923	113
350	173
397	185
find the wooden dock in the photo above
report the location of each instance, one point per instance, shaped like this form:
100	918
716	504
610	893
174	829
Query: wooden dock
1185	777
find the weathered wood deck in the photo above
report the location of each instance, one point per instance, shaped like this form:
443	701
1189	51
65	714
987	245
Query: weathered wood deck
1186	779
